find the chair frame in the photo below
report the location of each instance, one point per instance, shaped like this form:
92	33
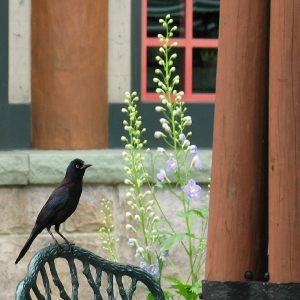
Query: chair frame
113	270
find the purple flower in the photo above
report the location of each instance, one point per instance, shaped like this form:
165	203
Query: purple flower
197	162
193	149
154	270
131	242
164	255
172	164
181	137
161	175
160	150
143	265
191	189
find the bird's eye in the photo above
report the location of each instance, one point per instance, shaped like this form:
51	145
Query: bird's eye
77	166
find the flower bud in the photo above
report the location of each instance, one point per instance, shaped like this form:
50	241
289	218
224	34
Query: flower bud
159	108
158	134
137	218
129	226
132	242
187	120
163	121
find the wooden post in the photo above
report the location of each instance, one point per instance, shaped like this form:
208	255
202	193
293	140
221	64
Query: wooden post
237	234
284	153
69	74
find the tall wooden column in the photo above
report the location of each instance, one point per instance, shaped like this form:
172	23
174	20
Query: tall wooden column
69	74
284	155
237	232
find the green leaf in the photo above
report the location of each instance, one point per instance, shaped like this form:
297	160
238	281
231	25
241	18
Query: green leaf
184	214
150	297
203	213
157	233
196	289
168	295
163	186
173	239
160	185
173	279
198	212
184	290
192	235
193	213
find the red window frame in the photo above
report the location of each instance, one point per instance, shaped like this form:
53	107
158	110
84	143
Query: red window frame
188	43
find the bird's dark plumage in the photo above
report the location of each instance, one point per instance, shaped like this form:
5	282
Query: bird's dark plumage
60	205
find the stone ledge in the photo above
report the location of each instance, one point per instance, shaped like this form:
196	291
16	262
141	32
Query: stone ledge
14	168
47	167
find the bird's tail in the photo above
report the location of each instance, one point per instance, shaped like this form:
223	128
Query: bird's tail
35	231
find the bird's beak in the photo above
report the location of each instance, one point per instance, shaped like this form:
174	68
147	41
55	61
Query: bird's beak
85	166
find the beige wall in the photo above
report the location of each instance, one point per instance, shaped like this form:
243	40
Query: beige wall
19	51
119	49
27	178
21	205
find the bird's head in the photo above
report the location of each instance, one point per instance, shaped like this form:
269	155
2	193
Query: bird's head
76	169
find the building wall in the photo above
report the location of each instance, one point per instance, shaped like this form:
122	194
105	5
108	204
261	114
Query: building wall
27	178
119	50
19	51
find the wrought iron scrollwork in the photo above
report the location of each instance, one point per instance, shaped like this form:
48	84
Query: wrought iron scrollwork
115	273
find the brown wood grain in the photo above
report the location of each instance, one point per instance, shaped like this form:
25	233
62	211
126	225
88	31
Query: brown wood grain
238	223
69	74
284	153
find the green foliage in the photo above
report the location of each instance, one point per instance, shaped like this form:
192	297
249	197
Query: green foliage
105	231
153	232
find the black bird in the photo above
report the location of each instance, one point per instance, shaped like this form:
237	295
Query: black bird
60	205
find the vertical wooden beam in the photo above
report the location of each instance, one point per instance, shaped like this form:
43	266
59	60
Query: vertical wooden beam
237	234
69	74
284	153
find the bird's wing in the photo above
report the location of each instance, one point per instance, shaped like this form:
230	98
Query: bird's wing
56	202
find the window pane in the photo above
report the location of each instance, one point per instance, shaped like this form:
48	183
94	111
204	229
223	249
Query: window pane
204	70
206	19
152	64
158	9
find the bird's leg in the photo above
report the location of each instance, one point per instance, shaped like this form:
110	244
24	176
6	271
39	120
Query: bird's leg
69	243
54	239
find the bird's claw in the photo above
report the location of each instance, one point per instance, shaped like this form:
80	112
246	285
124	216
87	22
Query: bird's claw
59	247
71	246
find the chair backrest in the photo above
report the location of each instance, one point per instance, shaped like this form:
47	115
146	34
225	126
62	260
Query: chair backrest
115	272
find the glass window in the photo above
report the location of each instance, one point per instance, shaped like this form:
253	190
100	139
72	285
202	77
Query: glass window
206	19
197	36
204	70
158	9
152	52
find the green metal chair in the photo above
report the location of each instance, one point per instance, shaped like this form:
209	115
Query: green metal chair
115	272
